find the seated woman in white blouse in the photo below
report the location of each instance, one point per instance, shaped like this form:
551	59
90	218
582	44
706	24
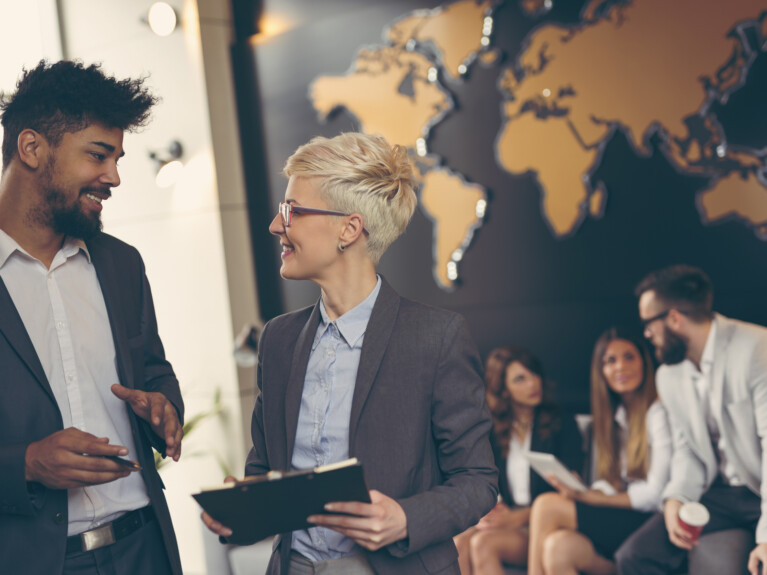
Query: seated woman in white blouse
578	532
523	420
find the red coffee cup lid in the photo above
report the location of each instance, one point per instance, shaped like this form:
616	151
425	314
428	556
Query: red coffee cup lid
694	514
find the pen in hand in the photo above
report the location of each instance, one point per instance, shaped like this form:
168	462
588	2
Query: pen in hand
124	462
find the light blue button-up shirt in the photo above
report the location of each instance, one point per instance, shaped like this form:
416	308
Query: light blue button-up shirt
322	436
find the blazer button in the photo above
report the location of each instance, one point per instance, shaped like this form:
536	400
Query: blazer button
59	518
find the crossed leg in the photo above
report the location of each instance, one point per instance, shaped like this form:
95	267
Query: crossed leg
556	547
483	552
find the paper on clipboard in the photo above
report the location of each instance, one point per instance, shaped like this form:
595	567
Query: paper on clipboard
547	464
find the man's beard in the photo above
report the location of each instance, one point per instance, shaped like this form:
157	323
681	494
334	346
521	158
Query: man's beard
70	220
673	350
64	218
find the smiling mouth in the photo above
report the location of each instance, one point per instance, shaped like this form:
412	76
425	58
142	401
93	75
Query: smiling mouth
97	195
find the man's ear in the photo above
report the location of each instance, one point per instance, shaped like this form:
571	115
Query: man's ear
675	318
31	146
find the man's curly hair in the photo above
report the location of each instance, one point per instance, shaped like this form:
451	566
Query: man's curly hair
65	97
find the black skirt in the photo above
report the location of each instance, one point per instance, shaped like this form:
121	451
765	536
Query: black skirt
608	527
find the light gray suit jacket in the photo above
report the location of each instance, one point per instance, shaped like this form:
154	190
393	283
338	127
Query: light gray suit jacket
418	423
739	385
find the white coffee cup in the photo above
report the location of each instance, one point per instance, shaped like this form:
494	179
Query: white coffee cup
693	517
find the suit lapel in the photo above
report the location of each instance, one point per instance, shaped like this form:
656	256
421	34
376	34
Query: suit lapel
14	331
296	379
693	405
537	444
723	335
377	334
106	272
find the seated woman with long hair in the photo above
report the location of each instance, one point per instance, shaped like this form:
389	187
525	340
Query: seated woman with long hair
578	532
523	420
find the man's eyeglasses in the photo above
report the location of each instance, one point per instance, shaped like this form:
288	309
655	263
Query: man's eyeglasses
287	210
661	315
649	320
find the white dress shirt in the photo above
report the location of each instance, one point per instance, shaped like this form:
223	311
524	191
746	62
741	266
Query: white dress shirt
66	318
711	408
518	469
645	494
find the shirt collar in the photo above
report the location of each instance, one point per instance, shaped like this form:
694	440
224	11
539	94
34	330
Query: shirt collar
353	323
621	417
707	357
8	246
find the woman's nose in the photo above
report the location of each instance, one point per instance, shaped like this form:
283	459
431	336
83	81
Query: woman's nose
277	227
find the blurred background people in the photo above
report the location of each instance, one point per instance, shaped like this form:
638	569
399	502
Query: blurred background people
365	373
578	532
713	382
524	419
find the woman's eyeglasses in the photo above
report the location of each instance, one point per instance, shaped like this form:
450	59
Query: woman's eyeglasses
287	210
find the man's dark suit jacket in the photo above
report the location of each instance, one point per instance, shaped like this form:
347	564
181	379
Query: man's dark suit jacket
418	423
33	518
564	442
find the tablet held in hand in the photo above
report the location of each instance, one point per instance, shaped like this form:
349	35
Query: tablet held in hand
547	464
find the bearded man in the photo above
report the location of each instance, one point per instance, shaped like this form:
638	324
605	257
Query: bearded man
84	383
713	383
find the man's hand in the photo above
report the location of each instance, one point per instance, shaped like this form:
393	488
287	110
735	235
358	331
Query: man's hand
216	526
758	555
159	412
676	533
58	461
502	516
371	525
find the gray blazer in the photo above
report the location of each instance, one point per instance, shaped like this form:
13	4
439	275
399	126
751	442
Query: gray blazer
739	385
33	518
418	423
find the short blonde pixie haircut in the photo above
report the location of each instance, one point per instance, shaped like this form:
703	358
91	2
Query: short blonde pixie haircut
365	175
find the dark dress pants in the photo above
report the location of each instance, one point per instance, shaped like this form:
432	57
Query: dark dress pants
650	552
140	553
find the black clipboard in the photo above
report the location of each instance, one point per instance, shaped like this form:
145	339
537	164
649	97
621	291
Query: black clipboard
279	502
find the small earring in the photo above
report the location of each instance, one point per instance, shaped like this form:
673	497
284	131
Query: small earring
341	247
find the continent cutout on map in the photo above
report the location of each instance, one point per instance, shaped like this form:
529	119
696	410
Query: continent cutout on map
456	31
642	67
453	206
744	198
559	166
373	92
394	91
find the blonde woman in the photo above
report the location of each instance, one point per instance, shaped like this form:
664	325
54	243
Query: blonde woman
524	419
574	532
365	373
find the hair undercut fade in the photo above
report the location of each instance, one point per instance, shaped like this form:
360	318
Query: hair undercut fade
362	174
65	97
683	287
